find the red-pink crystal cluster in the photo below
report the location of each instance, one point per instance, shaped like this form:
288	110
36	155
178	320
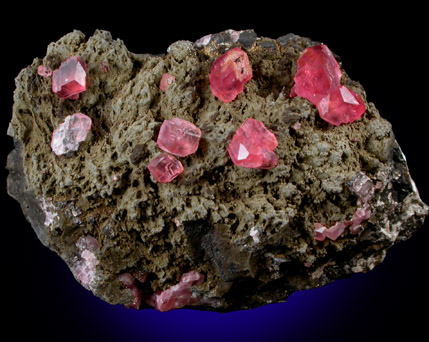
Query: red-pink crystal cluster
129	282
178	137
85	267
318	79
364	188
179	295
229	73
69	80
253	146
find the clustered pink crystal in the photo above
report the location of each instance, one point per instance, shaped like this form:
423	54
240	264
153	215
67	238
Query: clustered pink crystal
318	79
85	267
229	73
179	295
67	136
364	188
69	80
178	137
253	146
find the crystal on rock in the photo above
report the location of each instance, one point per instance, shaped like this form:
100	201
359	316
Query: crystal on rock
179	137
166	80
179	295
342	105
229	73
67	136
253	146
318	73
165	167
69	80
44	71
318	79
129	282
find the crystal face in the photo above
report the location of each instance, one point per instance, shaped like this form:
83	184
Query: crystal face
69	80
179	137
229	73
318	79
318	73
67	136
165	167
342	105
253	146
44	71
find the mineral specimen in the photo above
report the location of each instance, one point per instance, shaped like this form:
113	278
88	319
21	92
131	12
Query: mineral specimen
331	198
166	80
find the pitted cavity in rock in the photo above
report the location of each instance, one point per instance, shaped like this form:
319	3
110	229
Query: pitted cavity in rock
217	236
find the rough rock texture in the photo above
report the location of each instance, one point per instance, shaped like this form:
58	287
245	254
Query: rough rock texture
248	232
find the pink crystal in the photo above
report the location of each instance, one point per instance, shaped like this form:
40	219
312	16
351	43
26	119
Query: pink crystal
179	137
253	146
318	73
44	71
67	136
362	186
341	105
165	167
332	233
229	73
166	80
85	267
361	215
179	295
318	79
129	282
70	79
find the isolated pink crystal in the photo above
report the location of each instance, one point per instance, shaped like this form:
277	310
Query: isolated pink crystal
166	80
361	215
69	80
179	137
179	295
253	146
341	105
229	73
318	73
165	167
67	136
44	71
129	282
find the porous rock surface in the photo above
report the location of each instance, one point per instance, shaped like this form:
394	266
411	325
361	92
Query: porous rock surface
249	232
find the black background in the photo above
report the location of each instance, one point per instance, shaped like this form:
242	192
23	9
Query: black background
384	50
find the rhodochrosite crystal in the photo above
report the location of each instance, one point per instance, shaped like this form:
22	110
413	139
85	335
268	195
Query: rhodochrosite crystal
166	80
69	80
340	106
165	167
253	146
179	137
179	295
67	136
317	74
318	78
261	198
229	73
